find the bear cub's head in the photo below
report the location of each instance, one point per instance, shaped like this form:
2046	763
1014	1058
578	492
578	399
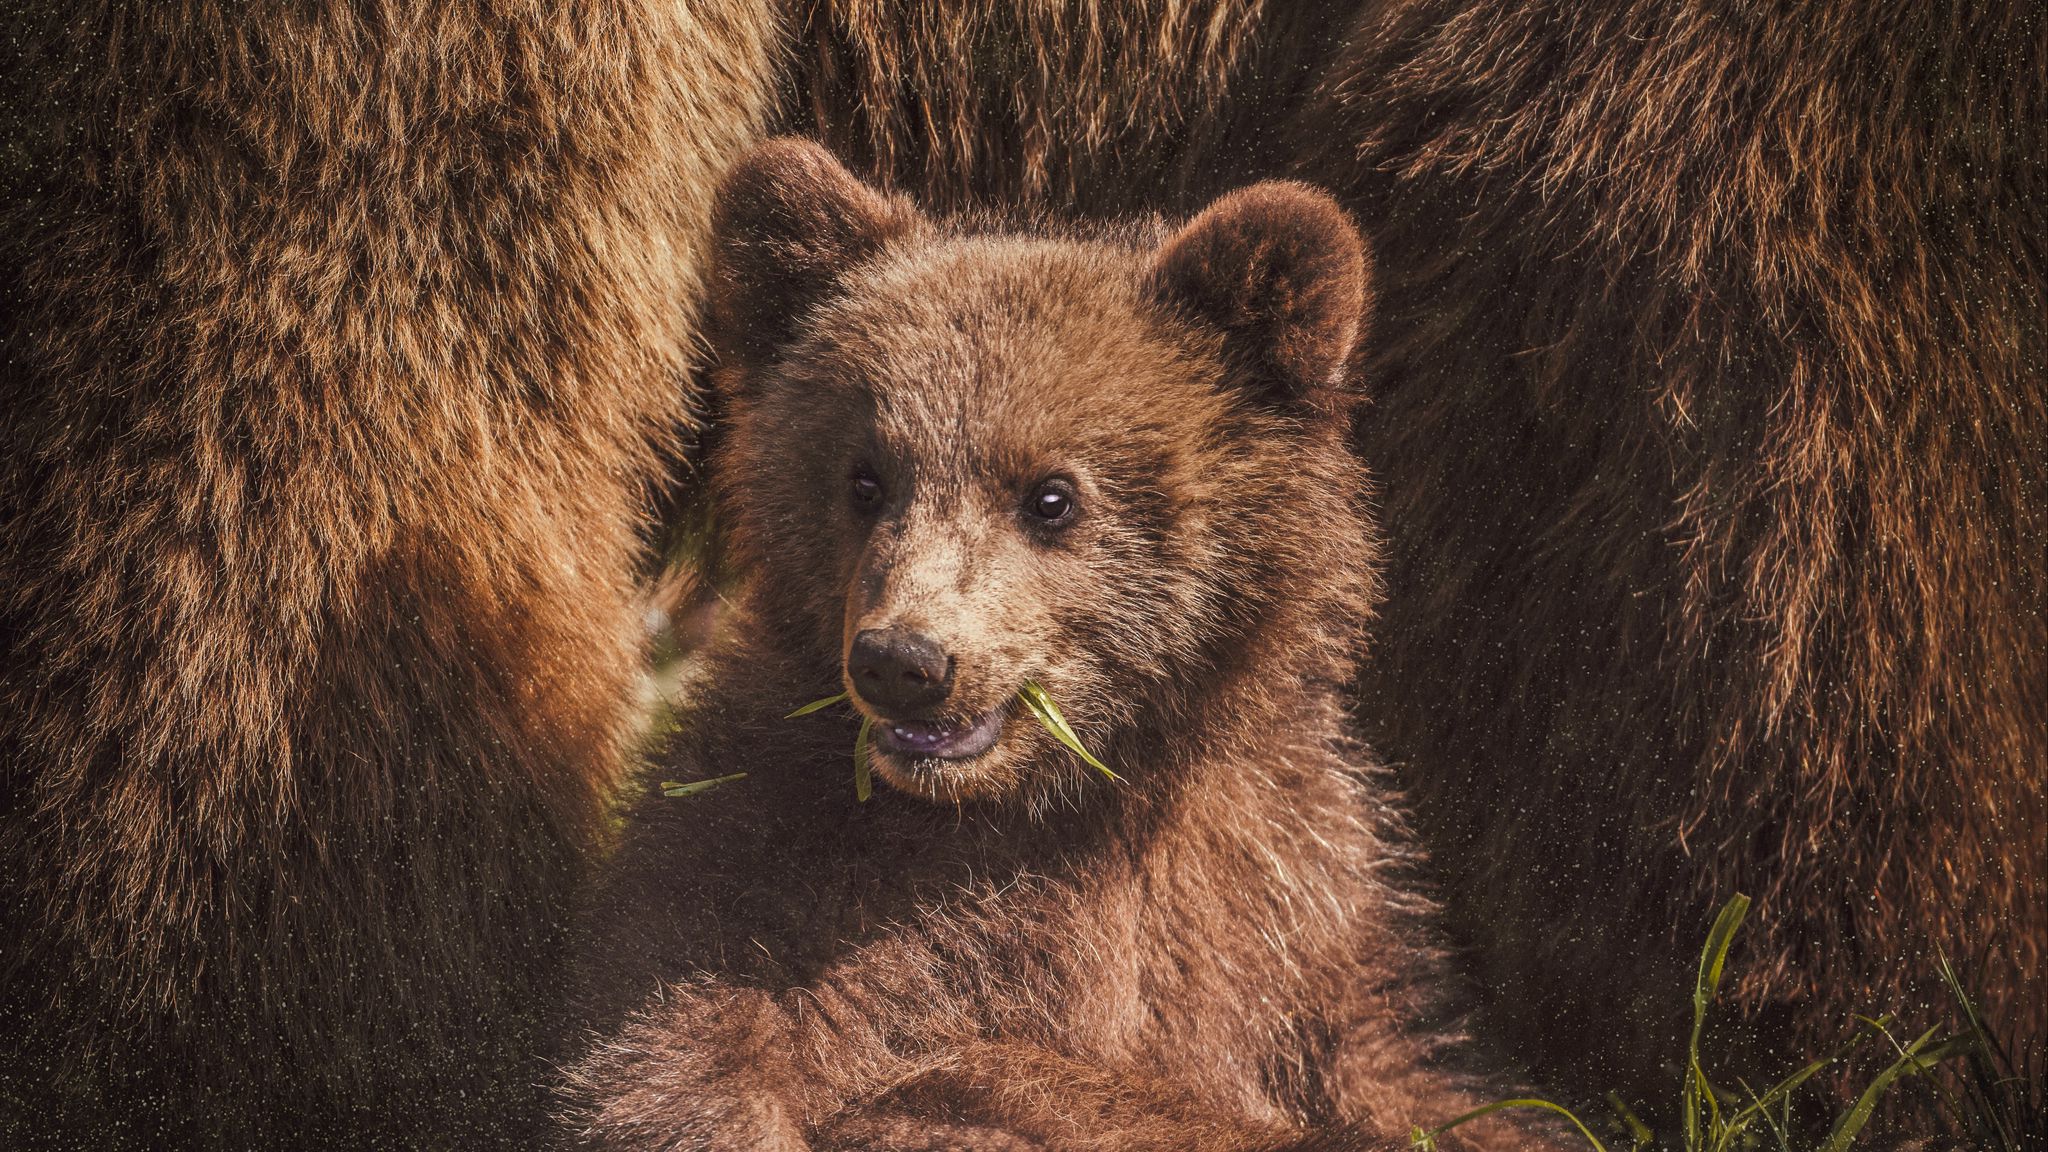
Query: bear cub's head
954	460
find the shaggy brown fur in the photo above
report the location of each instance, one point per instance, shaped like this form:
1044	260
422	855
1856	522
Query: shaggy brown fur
1099	106
1713	442
1067	108
1006	949
339	343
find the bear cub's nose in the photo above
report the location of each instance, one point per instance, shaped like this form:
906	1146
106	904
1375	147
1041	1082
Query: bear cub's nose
899	671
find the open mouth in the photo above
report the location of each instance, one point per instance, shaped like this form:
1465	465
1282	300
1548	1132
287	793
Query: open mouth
940	739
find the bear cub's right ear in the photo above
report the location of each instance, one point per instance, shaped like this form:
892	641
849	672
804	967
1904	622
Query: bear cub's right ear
788	222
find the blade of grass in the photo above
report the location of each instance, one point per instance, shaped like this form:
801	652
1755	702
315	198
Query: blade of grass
1988	1064
1914	1059
673	790
863	780
1713	958
863	783
1639	1133
816	705
1973	1051
1782	1090
1048	713
1715	955
1427	1140
1759	1108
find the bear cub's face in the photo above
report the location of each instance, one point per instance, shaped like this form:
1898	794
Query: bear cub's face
956	463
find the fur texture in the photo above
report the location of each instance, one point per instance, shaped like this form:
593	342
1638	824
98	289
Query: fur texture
340	345
1093	106
1005	948
1712	427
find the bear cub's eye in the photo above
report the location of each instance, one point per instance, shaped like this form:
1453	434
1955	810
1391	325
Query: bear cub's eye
1052	502
865	489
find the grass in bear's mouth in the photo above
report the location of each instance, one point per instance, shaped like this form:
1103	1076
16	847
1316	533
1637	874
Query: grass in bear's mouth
672	789
1034	698
1716	1119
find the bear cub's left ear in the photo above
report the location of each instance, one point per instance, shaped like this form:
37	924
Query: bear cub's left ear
1280	271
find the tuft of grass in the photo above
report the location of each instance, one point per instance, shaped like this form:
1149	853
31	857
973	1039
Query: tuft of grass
2000	1107
1035	700
1714	1119
1919	1056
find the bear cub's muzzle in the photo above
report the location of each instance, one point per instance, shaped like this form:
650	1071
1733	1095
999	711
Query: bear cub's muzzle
901	672
908	677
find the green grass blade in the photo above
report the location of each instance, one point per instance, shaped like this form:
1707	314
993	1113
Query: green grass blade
1422	1139
673	790
1698	1089
1639	1133
816	705
1955	987
1759	1108
863	783
1048	714
1715	955
1988	1067
1916	1058
1782	1089
863	780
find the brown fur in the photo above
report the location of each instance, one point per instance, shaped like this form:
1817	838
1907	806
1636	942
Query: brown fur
1712	433
1010	950
339	344
1097	106
1666	513
1068	108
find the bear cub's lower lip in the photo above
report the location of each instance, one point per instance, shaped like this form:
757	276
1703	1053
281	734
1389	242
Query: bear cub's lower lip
941	740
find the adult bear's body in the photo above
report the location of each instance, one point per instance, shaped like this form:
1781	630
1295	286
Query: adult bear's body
1711	422
340	343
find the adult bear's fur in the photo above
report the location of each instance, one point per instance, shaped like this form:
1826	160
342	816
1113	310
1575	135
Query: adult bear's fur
340	344
1714	433
1105	107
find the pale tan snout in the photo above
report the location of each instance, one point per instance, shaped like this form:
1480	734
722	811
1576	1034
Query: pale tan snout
925	617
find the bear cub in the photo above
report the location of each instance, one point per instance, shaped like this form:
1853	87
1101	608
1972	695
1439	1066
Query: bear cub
951	462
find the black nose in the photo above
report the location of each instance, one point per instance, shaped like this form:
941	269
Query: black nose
899	671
